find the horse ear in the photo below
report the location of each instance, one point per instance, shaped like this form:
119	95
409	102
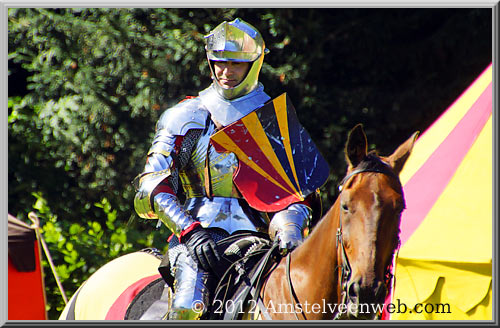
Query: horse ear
398	159
356	146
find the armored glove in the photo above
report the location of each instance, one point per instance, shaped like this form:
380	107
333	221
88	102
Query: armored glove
289	239
289	227
202	248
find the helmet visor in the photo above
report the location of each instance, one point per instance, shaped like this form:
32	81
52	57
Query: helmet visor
234	41
236	56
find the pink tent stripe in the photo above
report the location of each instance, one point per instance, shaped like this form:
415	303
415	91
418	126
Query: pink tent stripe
427	184
460	97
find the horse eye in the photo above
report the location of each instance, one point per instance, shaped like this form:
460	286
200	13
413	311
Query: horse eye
344	207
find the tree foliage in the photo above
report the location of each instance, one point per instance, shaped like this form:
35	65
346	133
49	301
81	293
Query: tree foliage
86	87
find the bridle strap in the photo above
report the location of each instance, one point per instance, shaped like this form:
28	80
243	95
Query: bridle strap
382	169
345	267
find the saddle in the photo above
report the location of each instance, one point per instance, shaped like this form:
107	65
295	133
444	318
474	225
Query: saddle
247	258
252	258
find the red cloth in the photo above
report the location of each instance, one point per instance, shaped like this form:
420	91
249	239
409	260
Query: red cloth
120	306
26	292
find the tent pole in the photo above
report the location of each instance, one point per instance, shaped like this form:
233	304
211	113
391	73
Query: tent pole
36	225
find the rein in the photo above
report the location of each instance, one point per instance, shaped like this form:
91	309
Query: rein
345	267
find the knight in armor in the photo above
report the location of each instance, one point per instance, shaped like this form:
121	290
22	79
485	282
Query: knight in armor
182	160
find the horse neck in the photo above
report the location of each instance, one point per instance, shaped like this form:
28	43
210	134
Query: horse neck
318	253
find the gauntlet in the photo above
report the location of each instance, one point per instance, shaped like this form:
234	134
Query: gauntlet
289	227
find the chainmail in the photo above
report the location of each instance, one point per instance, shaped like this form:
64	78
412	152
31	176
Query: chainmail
190	139
173	180
184	155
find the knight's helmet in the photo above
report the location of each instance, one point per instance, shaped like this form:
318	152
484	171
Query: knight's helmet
236	41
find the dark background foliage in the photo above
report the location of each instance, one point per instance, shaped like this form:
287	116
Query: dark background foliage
86	87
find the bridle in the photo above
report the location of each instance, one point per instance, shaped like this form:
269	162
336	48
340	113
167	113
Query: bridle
345	267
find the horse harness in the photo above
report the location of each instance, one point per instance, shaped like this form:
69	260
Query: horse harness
345	266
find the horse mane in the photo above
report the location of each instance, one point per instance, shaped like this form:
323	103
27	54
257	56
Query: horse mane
372	162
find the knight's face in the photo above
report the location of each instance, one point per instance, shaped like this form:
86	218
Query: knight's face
229	73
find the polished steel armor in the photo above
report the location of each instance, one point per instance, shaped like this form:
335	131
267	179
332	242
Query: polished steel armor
197	114
169	163
236	41
230	214
191	297
181	156
289	226
226	111
221	166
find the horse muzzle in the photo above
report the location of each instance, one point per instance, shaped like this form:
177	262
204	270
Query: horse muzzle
365	302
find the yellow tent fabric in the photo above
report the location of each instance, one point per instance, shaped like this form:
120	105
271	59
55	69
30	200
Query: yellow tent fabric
445	261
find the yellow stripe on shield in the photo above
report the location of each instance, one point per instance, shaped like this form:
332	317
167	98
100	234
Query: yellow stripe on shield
225	141
258	134
282	117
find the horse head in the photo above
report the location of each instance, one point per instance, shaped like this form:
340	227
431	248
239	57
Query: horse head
370	205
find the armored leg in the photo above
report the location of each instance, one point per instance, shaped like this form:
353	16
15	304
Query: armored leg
191	291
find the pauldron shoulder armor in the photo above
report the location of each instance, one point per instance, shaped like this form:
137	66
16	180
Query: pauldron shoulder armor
186	115
177	121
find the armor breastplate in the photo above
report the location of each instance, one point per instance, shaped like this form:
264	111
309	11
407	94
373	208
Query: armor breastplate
226	209
221	165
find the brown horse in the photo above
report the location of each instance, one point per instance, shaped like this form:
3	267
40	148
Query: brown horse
342	270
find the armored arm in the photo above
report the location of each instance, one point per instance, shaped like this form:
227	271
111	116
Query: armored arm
158	185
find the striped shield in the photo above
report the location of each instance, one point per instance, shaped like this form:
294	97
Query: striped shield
279	164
